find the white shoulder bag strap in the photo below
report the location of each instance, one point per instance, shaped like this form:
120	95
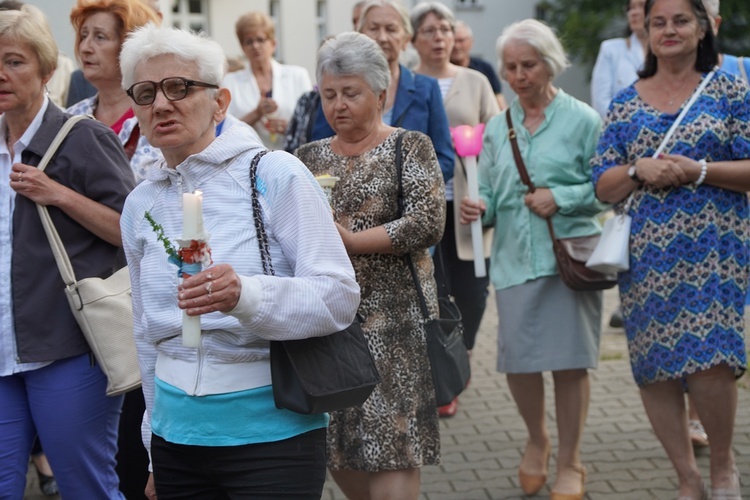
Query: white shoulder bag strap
58	249
676	124
743	71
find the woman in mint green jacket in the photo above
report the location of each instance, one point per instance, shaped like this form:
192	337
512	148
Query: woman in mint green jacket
543	324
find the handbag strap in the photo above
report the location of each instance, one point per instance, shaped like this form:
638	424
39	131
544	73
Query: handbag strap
521	166
409	261
260	229
58	249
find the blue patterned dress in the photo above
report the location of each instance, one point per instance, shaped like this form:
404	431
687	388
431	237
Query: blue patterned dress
683	298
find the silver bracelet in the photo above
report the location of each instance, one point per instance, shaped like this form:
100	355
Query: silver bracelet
704	169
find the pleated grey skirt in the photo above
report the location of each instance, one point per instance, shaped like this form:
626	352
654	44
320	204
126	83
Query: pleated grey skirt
546	326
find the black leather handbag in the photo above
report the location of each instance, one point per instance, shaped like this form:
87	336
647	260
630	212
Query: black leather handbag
446	348
317	374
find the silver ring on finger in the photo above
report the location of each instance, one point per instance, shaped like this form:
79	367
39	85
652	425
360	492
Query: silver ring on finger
20	176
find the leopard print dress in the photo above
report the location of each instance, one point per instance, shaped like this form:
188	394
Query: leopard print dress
397	427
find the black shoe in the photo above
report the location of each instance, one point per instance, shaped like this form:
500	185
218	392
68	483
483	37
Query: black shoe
47	484
615	321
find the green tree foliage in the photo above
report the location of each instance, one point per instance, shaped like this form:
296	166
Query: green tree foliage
734	32
583	24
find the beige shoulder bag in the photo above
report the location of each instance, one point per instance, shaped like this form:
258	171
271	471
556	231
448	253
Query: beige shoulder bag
102	307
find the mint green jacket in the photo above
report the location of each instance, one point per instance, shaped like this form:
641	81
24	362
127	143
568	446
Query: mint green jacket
557	157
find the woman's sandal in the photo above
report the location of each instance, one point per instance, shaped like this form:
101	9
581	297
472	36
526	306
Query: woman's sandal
47	484
572	496
732	493
532	483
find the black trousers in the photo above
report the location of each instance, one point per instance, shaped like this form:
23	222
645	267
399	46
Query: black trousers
457	278
132	457
294	468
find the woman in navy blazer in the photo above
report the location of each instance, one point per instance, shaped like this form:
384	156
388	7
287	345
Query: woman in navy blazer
414	101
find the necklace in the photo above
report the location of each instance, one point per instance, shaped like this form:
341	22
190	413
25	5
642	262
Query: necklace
532	124
360	150
672	95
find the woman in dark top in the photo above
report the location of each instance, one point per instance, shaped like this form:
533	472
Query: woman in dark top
49	382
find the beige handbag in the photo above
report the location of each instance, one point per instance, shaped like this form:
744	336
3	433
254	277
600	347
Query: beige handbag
102	307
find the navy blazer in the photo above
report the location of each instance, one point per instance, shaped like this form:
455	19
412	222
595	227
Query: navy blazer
418	106
90	161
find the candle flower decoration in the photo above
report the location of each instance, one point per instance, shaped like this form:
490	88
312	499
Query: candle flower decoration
468	139
191	257
186	258
327	182
468	143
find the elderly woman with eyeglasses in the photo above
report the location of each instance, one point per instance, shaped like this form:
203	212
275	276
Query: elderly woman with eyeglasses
211	424
264	94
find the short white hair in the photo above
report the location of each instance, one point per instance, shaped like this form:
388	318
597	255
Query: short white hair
462	25
539	36
395	5
152	41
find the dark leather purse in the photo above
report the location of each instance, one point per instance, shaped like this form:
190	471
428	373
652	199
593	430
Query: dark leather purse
317	374
571	254
446	347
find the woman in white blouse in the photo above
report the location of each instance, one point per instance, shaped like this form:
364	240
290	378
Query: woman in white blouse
619	59
264	95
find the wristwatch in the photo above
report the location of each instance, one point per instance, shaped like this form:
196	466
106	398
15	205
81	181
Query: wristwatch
633	173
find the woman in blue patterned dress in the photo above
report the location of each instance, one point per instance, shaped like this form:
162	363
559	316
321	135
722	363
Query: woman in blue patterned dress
683	298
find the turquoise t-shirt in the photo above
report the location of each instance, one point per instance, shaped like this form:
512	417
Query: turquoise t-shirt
231	419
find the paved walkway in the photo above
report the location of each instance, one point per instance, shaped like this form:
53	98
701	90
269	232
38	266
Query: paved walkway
482	444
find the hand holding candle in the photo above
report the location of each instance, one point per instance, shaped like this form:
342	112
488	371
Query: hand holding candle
468	142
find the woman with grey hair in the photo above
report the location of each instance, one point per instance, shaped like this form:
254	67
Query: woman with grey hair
543	324
211	423
413	101
468	100
376	450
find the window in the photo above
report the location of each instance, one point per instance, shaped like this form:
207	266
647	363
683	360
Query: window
274	12
191	15
468	4
322	15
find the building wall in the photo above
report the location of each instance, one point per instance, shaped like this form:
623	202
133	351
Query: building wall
297	30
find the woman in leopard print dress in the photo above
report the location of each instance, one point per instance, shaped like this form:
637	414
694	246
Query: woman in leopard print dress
377	449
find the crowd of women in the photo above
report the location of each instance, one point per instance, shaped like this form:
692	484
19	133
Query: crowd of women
169	120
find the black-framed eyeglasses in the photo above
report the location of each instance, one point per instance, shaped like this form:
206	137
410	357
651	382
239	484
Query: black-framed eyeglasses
174	88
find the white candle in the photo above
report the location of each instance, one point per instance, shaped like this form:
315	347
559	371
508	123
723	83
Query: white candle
192	216
192	229
476	226
191	330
